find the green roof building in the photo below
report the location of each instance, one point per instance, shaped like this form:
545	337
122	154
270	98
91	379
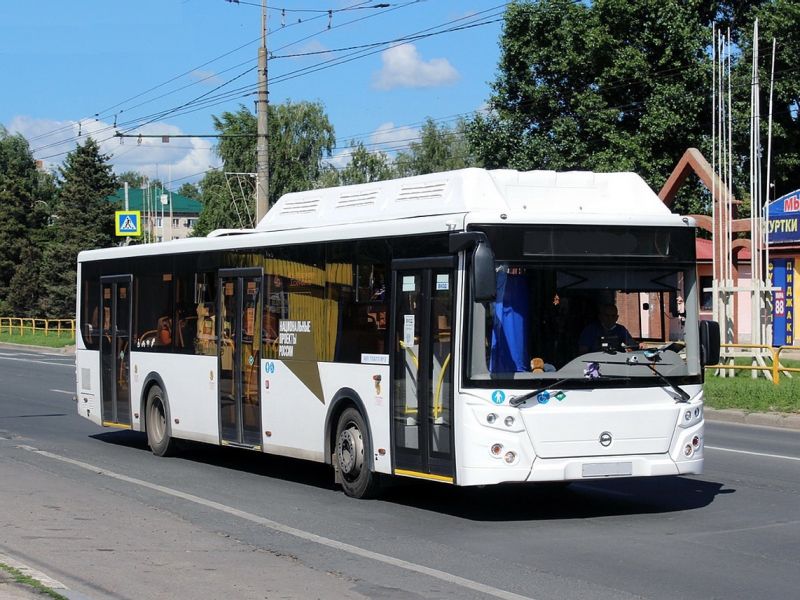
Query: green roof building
161	221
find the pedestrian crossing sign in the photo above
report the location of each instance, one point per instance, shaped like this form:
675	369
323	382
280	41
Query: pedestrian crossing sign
128	223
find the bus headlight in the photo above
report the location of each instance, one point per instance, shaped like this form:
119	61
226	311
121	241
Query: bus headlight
690	416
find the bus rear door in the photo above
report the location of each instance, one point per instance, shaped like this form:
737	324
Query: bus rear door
115	352
239	327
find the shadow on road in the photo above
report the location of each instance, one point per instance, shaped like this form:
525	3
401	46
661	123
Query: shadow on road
578	500
505	502
267	465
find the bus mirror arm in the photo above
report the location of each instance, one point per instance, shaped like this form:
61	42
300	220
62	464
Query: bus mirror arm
483	274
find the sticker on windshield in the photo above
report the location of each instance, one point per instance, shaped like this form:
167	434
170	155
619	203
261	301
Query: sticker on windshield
560	396
498	396
543	397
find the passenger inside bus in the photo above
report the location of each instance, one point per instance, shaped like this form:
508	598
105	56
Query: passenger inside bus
206	329
164	331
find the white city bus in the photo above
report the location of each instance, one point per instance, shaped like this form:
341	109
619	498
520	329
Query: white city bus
434	327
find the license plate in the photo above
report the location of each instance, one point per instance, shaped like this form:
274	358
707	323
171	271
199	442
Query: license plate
618	469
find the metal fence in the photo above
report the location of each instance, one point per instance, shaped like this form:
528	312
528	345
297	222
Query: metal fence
771	370
23	325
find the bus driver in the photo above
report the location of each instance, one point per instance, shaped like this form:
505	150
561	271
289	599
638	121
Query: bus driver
605	333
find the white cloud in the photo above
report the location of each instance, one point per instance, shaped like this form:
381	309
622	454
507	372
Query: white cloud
390	136
50	141
404	67
339	159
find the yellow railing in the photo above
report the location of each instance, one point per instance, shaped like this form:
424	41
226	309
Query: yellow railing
23	325
771	371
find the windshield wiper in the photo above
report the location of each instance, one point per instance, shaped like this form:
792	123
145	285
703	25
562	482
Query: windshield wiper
685	397
652	355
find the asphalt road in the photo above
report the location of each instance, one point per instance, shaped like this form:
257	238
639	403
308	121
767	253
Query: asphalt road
94	509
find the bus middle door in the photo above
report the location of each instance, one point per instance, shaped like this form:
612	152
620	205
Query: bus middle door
422	367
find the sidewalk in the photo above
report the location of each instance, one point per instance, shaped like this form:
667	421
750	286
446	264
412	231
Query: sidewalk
775	419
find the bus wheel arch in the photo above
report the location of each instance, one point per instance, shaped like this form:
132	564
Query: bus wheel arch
156	413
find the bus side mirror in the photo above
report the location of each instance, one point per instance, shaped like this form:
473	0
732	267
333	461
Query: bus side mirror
709	343
484	277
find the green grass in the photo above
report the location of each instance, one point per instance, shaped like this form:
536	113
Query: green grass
38	339
754	395
23	579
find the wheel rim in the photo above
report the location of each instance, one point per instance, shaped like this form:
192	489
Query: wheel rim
350	451
158	419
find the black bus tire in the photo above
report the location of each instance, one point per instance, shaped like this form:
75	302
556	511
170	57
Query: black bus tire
352	454
157	424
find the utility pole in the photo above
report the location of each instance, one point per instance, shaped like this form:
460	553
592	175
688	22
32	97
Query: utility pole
262	161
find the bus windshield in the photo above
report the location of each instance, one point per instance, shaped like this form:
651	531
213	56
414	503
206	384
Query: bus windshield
595	321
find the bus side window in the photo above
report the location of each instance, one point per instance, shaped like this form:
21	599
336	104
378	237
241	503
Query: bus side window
205	341
154	314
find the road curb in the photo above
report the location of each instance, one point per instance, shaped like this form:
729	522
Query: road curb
42	578
61	350
771	419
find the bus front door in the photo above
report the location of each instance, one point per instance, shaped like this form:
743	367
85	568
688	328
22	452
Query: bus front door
239	327
422	367
115	352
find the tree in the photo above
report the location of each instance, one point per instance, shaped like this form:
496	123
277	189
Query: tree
189	190
364	167
779	19
440	148
24	292
611	85
20	214
216	212
84	219
134	179
300	135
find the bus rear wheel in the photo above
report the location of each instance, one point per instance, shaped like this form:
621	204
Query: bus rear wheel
352	456
158	437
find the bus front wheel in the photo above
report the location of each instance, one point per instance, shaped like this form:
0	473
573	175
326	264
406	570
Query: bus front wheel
352	456
158	437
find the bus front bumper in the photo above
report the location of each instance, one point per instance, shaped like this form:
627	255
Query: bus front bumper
588	468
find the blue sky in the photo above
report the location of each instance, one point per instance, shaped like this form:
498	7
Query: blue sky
77	67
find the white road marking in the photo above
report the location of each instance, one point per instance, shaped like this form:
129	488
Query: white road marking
797	458
41	362
63	392
293	531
